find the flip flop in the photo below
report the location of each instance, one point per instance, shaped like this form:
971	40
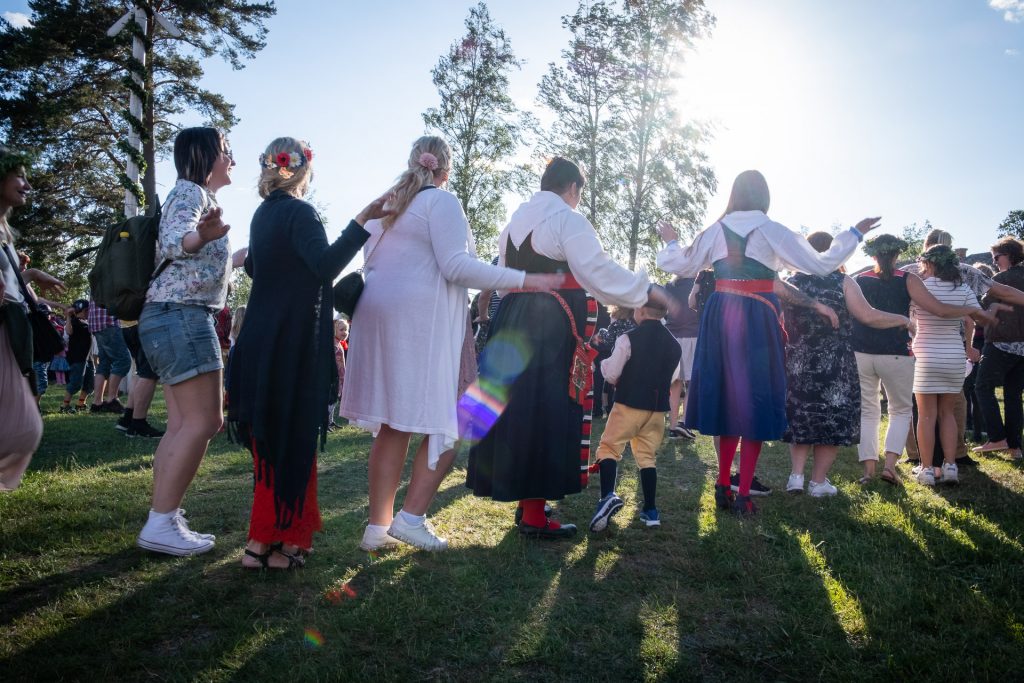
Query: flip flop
863	481
890	477
990	449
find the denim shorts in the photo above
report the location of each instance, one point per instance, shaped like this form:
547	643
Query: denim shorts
42	380
180	340
113	353
81	378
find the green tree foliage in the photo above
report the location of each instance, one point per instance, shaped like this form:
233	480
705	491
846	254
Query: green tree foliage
64	87
484	127
1012	225
615	104
914	235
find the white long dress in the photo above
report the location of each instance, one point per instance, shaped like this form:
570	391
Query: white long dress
938	344
408	329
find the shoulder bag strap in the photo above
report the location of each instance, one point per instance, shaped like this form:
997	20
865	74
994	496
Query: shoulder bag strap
30	300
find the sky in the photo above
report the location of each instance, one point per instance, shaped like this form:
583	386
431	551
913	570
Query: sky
908	110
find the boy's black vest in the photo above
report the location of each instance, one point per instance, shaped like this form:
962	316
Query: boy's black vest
647	375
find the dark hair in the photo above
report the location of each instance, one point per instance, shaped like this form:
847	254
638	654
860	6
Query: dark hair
821	241
560	174
1011	247
749	193
944	262
196	151
657	309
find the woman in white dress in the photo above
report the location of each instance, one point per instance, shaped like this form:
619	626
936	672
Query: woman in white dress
406	341
941	355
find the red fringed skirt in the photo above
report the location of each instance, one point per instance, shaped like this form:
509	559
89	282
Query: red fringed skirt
263	520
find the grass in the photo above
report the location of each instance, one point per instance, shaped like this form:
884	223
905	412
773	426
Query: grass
877	583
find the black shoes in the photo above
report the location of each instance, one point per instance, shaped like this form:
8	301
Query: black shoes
744	507
723	497
548	532
756	487
144	429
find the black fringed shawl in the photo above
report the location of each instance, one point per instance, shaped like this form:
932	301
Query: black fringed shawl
281	366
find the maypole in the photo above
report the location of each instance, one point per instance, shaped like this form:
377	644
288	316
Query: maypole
134	197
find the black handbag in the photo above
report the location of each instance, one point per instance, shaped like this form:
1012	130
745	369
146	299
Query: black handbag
46	341
347	292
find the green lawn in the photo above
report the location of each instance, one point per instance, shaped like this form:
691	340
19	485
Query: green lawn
877	583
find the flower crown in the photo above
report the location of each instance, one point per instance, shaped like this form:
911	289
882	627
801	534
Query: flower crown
12	160
286	162
940	256
884	244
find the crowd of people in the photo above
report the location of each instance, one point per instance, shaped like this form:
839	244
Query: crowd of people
728	349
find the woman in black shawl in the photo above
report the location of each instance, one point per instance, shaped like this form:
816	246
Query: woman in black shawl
281	366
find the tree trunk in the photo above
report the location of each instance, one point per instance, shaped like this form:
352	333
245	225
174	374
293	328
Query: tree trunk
149	123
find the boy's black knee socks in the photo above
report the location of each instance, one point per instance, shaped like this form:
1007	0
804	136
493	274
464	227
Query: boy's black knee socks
608	468
649	483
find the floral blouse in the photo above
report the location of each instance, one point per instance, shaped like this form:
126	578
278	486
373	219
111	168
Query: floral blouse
199	279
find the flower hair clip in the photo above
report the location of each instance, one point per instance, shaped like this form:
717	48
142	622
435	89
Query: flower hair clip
428	161
286	162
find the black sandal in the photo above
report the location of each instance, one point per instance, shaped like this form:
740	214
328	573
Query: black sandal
264	559
300	553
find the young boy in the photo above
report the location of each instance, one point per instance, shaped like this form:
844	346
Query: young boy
643	365
80	374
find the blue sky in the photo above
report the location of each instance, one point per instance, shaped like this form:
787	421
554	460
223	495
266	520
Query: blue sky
908	109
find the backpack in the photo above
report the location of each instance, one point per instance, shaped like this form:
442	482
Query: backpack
120	277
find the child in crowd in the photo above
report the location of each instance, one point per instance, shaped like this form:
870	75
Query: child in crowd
642	366
80	367
340	349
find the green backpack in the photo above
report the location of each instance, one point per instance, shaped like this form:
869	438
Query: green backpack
124	268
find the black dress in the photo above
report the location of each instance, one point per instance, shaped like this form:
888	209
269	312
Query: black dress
534	448
283	360
823	385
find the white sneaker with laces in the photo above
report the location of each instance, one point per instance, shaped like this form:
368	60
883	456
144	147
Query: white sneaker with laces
172	537
820	490
421	536
950	473
925	475
795	483
375	537
205	537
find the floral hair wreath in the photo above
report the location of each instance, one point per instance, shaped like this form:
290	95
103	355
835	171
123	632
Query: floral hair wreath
11	160
940	256
884	244
287	162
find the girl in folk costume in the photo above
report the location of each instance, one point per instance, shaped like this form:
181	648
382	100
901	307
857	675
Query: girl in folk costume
281	362
415	307
739	379
533	451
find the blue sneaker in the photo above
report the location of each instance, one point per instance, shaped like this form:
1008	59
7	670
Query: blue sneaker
650	517
606	507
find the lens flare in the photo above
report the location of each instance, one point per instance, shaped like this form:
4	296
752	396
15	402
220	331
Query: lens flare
505	357
313	638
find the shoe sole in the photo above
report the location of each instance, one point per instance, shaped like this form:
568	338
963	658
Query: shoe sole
415	544
754	492
120	428
792	492
604	516
366	547
172	550
822	495
651	523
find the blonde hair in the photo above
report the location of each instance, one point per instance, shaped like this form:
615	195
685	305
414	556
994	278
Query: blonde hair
417	175
937	236
236	322
294	181
620	312
749	193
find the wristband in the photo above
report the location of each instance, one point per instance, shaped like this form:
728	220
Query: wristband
858	233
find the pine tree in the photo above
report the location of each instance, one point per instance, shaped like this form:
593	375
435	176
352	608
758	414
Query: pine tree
66	84
484	127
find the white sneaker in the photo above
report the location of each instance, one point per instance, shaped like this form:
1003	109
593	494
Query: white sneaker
421	536
205	537
795	483
821	490
925	475
376	538
172	537
950	473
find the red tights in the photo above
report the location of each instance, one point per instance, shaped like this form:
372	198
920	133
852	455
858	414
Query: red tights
533	514
749	451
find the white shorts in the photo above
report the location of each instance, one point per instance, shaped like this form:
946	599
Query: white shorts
689	348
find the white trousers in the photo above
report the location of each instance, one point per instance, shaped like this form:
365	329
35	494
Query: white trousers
896	374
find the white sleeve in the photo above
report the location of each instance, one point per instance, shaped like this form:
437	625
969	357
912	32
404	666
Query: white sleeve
611	367
450	240
596	271
796	253
688	261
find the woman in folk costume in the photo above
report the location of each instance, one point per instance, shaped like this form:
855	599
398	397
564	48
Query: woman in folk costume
407	340
533	451
739	377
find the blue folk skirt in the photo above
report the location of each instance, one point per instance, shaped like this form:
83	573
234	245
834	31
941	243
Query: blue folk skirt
738	386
